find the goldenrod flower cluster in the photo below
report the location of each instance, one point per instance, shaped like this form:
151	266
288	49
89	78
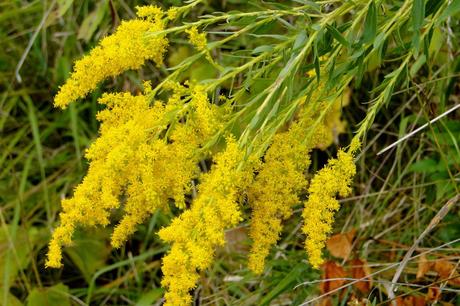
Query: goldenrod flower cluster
129	161
128	48
332	180
172	13
280	180
197	232
197	39
148	153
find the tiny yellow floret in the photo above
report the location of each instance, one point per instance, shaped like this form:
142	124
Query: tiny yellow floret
172	13
150	13
197	39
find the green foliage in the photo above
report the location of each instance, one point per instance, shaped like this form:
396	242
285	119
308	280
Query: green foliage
55	295
89	253
400	56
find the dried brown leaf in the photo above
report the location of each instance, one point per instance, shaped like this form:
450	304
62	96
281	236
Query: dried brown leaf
433	295
340	245
360	269
333	271
423	267
326	301
410	301
446	270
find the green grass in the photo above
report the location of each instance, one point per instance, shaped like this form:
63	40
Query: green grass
396	194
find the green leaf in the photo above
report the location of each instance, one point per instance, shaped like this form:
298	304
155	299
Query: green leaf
201	70
10	299
63	6
272	36
379	40
316	62
427	165
150	297
89	252
443	189
370	25
92	21
418	15
284	284
262	49
360	71
336	34
436	42
421	60
15	256
451	10
299	40
56	295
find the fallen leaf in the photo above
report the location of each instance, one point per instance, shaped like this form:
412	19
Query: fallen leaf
423	267
360	269
340	245
334	271
446	270
433	295
410	301
418	301
325	301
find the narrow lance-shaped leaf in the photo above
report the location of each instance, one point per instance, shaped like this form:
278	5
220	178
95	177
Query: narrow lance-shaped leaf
370	25
418	14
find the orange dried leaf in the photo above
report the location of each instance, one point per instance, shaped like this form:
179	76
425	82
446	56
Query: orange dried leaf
333	271
326	301
433	295
447	271
360	269
410	301
340	245
423	267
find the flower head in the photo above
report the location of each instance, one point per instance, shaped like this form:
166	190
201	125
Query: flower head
128	48
197	39
197	232
275	190
131	160
332	180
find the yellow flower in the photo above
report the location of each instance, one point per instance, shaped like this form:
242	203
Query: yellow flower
128	48
206	115
129	160
275	190
147	156
197	39
150	12
196	233
172	12
332	180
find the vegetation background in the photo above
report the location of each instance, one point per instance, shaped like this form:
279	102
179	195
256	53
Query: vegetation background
403	199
